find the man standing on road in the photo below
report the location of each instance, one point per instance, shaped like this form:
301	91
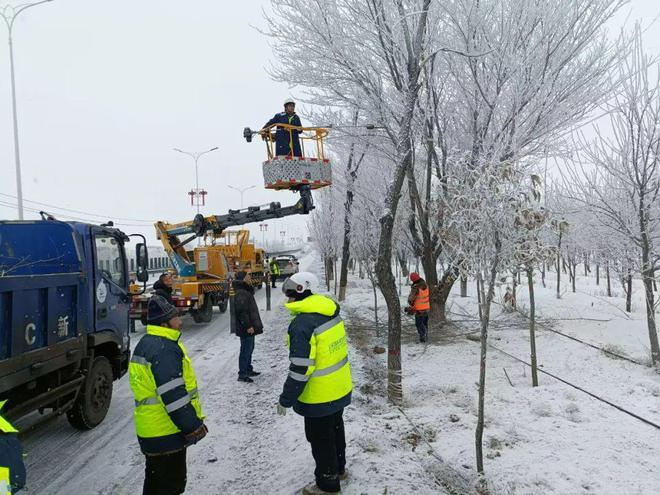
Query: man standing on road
274	271
419	304
163	287
12	469
168	413
248	324
319	383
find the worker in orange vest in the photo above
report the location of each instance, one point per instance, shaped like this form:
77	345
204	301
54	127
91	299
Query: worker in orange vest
420	305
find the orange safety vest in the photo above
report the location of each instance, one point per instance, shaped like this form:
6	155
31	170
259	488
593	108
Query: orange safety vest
422	302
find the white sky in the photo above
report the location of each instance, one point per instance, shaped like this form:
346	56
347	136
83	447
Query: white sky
106	89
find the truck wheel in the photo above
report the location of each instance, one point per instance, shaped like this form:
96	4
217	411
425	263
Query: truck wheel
94	398
223	305
205	313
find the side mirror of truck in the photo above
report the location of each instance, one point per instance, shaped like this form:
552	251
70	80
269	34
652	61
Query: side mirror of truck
142	262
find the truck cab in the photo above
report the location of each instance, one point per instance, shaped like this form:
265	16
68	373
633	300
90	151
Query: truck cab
64	325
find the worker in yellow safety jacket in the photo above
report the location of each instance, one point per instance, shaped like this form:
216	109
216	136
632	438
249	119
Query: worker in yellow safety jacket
420	304
319	383
12	468
168	413
274	271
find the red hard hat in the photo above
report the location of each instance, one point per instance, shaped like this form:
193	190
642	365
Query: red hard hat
414	277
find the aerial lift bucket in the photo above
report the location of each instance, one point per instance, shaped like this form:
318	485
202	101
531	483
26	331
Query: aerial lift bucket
312	169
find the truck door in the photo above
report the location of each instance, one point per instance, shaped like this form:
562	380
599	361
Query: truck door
111	298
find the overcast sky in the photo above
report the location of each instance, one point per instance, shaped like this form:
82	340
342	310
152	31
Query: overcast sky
106	89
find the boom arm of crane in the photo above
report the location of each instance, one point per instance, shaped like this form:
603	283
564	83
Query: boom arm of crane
169	234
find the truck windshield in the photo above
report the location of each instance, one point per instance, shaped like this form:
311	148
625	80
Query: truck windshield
109	258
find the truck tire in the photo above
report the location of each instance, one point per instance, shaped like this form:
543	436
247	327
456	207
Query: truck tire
223	305
94	398
205	313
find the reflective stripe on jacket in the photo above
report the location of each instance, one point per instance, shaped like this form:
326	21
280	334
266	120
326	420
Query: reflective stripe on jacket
5	485
5	426
12	468
164	386
422	302
319	381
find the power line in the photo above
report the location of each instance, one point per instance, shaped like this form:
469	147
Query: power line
79	211
68	217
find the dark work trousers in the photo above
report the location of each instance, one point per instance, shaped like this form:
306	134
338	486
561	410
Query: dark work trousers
245	356
326	434
422	324
165	474
273	278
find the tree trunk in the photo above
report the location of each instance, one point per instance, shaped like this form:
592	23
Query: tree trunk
514	288
573	276
532	325
488	299
439	299
403	264
373	288
650	315
597	273
609	280
559	266
629	292
334	262
464	286
543	274
481	316
328	272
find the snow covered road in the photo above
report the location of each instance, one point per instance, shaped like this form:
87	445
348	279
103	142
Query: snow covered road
249	448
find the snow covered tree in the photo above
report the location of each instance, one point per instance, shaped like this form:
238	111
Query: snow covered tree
618	176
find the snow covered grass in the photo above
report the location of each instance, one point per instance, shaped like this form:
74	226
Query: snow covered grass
549	439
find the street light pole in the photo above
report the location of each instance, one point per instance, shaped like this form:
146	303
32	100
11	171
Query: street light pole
9	14
241	190
196	156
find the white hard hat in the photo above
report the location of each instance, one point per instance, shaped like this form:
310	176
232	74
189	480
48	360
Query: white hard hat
300	282
288	101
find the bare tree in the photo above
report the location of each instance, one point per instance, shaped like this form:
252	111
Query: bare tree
618	176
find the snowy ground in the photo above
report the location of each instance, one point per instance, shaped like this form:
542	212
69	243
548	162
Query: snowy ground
249	449
550	439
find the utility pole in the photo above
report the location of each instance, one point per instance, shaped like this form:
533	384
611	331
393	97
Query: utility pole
195	155
9	14
263	227
241	191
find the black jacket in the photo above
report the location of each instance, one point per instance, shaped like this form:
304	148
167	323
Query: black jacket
164	291
246	310
11	456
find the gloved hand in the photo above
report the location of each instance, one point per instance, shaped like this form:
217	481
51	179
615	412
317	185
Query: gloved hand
195	436
281	410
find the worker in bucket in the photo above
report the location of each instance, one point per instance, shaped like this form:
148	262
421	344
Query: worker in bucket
168	413
319	383
287	142
12	469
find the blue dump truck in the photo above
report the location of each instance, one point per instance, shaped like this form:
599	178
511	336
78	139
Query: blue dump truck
64	326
